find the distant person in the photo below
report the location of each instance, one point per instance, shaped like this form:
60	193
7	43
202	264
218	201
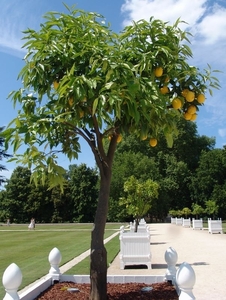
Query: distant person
8	222
32	224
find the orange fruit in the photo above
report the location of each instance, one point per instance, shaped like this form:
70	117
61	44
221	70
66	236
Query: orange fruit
158	72
187	116
176	103
190	96
192	109
184	92
164	90
193	117
153	142
55	84
144	137
119	138
201	98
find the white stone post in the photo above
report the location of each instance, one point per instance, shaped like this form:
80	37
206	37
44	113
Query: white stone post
54	260
171	260
185	280
11	280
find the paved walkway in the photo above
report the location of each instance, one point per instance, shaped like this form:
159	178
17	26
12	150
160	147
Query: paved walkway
205	252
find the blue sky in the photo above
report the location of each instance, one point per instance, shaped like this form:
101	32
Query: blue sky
206	21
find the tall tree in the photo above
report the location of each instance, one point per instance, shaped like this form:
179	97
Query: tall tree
210	173
84	192
99	84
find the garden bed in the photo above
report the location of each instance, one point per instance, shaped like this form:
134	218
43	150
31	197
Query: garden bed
124	291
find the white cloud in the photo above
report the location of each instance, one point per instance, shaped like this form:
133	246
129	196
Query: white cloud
166	10
207	23
212	28
15	17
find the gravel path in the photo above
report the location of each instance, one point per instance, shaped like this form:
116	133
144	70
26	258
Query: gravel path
203	251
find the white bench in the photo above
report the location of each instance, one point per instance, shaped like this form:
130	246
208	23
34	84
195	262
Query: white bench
215	226
134	249
197	224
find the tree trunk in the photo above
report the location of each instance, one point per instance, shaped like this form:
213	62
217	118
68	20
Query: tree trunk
98	256
136	224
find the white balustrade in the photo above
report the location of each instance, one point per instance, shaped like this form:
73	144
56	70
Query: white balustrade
197	224
186	222
185	280
215	226
171	260
11	280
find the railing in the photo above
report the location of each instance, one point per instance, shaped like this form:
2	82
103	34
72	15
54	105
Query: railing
183	278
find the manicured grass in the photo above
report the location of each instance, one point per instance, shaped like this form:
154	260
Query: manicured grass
29	249
112	248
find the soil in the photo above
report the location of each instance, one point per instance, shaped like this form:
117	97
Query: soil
124	291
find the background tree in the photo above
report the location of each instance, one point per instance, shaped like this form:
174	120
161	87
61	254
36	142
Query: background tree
173	168
197	210
186	211
211	172
135	82
125	165
18	190
84	192
211	208
139	197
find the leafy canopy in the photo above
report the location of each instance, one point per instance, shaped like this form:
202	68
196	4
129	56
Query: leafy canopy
139	196
80	79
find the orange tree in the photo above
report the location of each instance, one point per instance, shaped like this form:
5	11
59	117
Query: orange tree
80	79
139	197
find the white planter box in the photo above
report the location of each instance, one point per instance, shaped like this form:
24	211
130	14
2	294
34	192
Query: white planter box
135	249
197	224
173	220
179	221
215	226
186	223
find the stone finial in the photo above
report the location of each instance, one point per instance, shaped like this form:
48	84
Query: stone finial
11	280
171	258
185	280
54	260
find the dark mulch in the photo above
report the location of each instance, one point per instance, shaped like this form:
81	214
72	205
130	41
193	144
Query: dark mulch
123	291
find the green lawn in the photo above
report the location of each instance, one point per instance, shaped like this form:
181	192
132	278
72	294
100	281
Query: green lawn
29	249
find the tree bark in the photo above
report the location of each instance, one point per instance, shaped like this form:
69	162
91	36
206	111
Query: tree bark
98	256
